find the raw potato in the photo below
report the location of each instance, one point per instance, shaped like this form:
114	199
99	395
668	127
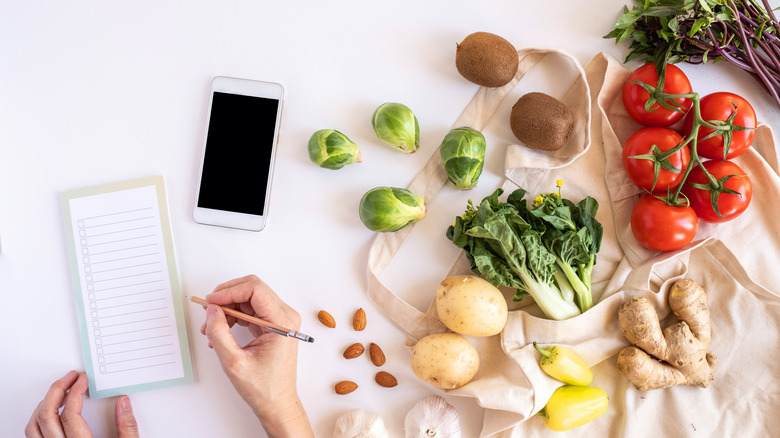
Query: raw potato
541	121
471	306
445	360
681	349
486	59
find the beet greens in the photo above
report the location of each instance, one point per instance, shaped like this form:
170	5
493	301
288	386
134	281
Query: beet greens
742	32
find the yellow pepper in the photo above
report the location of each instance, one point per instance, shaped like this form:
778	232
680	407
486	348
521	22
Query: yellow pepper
565	365
573	406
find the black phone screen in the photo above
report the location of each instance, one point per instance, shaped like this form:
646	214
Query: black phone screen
237	158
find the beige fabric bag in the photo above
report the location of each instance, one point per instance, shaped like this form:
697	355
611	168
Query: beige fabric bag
735	262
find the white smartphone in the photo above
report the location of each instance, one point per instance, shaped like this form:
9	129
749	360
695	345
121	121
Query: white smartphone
239	145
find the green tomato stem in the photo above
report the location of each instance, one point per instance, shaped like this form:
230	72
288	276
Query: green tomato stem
692	141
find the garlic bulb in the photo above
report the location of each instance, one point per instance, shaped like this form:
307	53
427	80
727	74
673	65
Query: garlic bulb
432	417
357	423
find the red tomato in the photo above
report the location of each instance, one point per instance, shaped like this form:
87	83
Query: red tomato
635	97
720	106
662	227
729	205
641	171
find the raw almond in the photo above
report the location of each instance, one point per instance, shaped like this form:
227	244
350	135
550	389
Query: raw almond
345	387
376	354
353	351
359	320
385	379
326	319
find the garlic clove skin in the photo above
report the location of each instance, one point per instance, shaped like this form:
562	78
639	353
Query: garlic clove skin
357	423
432	417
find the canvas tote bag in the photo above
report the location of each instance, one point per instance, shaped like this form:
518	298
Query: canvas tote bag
735	262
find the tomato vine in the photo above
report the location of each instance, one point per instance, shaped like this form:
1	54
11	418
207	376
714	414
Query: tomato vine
725	128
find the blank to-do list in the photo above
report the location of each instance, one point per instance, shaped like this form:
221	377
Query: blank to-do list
127	292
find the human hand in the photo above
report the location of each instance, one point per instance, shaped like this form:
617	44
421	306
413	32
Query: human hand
263	372
68	393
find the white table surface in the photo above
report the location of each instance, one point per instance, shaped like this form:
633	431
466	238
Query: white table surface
97	92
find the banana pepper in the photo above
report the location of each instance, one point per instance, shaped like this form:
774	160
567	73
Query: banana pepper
572	406
565	365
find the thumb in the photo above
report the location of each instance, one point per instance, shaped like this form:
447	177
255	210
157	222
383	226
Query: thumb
126	426
218	333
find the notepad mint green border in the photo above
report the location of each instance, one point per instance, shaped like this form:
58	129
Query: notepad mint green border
159	183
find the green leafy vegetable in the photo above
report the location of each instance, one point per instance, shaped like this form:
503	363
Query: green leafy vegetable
387	209
741	32
547	251
331	149
396	125
463	154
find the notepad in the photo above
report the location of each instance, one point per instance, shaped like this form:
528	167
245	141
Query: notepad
128	298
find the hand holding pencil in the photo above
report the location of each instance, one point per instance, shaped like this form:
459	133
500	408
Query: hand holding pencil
275	328
263	372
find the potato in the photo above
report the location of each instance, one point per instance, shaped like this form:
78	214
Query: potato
445	360
471	306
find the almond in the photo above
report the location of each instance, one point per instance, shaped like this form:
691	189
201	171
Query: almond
359	320
376	354
345	387
353	351
385	379
326	319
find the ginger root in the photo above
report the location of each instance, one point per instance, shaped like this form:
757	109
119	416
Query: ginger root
676	356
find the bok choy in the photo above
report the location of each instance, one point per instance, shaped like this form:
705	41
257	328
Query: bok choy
547	250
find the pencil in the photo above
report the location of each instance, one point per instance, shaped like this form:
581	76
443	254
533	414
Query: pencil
279	330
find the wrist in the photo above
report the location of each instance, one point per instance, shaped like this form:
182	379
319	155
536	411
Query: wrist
284	418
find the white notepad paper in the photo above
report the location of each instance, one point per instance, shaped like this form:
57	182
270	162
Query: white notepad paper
128	297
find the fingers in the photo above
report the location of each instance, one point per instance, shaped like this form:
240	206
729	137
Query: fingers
236	281
253	296
126	425
72	422
240	290
218	334
45	420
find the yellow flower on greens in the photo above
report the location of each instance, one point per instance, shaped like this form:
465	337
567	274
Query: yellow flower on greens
538	201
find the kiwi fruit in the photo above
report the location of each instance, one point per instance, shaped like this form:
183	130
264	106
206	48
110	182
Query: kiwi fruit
486	59
541	121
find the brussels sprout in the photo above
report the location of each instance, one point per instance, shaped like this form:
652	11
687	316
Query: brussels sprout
386	209
463	155
331	149
396	125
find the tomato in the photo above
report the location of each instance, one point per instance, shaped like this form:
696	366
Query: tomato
719	107
641	171
729	205
635	97
662	227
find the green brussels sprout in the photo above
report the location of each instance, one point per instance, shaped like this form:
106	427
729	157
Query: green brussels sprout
331	149
463	155
396	125
387	209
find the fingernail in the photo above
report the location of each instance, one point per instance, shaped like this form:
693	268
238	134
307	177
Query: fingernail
124	404
210	311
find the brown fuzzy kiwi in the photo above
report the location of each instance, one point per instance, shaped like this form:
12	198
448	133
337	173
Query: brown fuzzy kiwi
541	121
486	59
